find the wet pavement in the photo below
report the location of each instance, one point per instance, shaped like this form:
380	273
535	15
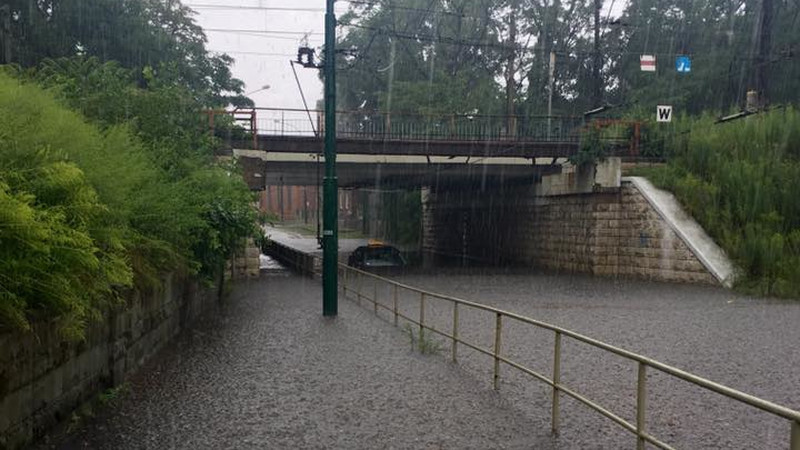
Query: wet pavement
266	371
745	343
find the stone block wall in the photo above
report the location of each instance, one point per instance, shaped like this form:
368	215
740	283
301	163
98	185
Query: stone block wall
43	378
245	264
612	232
609	234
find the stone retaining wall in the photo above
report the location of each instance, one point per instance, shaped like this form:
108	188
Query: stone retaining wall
245	264
614	232
43	379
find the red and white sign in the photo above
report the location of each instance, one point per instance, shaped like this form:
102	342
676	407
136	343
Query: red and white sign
648	63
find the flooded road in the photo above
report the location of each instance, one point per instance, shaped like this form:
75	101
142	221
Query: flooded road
745	343
267	371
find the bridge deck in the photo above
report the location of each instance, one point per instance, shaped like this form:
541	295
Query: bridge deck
381	133
366	146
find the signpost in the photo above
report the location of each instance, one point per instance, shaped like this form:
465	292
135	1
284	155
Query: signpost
664	113
648	63
683	64
330	212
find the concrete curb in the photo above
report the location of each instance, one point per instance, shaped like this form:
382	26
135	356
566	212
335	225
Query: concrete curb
698	241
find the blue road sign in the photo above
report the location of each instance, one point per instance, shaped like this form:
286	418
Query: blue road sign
683	64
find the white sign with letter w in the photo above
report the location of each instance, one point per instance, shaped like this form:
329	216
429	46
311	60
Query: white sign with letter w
664	113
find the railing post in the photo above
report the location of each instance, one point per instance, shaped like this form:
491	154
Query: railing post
455	331
344	285
375	296
394	304
556	382
358	289
498	331
794	442
641	402
421	316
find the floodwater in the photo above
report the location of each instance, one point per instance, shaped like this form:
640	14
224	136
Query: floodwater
749	344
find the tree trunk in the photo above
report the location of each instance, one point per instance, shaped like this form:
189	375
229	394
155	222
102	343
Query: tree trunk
764	48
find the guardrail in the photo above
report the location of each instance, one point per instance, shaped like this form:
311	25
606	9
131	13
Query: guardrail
299	261
248	124
639	428
410	127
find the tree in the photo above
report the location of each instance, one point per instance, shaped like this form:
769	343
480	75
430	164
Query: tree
160	34
428	56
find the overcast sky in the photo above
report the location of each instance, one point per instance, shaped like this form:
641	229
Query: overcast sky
276	29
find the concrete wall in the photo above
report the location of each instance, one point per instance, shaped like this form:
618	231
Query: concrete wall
610	232
43	379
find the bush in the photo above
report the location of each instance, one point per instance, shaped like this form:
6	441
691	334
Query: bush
88	211
741	181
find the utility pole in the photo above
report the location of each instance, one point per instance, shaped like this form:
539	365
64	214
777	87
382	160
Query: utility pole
511	87
764	48
5	16
330	220
597	82
550	88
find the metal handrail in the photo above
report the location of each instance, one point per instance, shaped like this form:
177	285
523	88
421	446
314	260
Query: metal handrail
417	114
638	428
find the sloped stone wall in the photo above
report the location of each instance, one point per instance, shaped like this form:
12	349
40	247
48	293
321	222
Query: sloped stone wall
610	234
43	378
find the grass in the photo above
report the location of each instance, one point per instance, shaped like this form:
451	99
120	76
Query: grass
422	341
741	182
110	398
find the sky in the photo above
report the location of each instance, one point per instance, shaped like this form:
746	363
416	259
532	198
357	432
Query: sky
263	36
262	58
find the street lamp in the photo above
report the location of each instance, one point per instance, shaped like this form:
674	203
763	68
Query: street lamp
262	88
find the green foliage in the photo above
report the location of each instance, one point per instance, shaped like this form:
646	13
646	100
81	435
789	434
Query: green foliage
741	180
88	211
401	213
112	396
422	341
593	148
62	246
135	33
418	75
453	57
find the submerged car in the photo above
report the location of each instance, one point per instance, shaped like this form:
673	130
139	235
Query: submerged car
376	255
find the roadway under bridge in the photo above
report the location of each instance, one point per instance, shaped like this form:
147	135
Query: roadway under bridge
535	209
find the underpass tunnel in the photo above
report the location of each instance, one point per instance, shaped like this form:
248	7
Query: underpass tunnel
473	226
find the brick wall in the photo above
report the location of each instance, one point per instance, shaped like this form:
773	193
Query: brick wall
43	379
611	233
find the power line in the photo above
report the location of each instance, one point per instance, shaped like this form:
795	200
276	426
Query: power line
425	38
276	32
321	10
252	8
240	52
